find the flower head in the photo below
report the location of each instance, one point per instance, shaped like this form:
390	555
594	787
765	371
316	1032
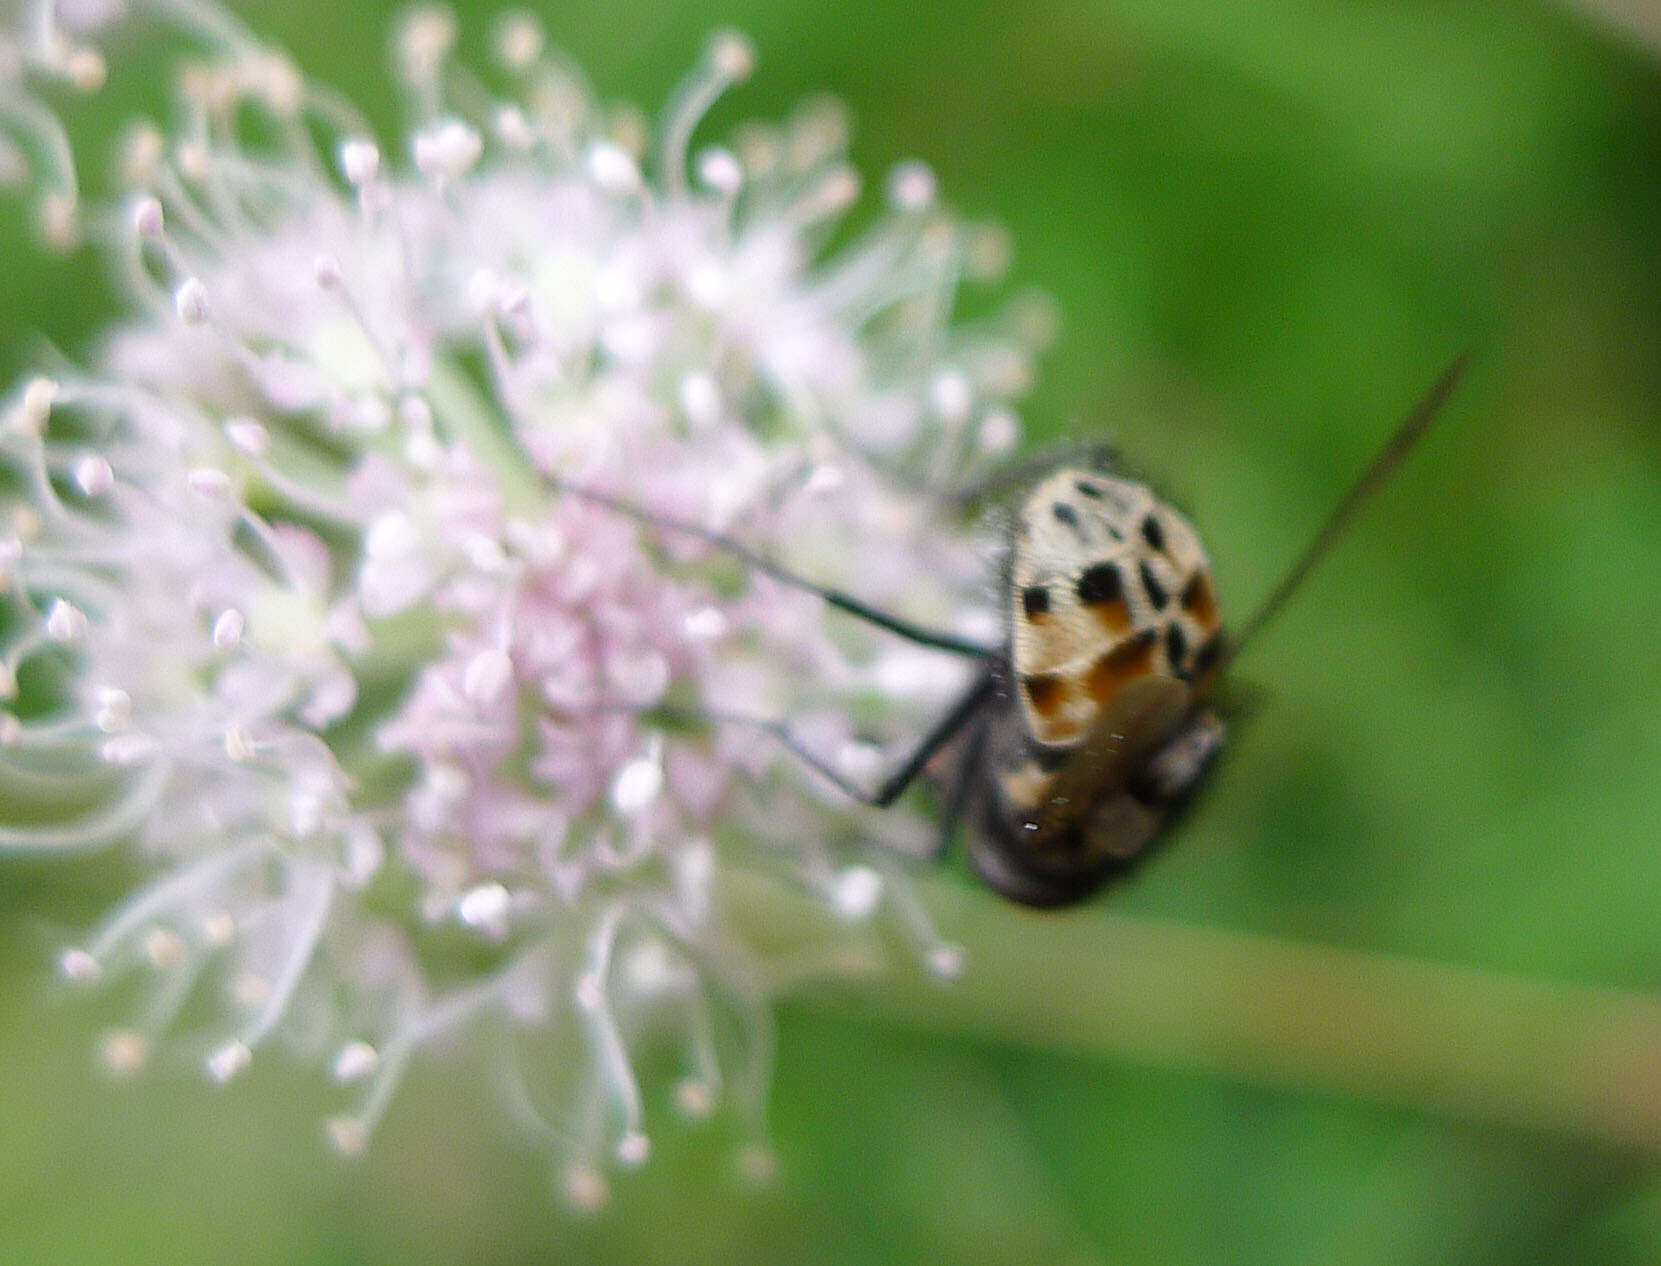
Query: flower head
418	739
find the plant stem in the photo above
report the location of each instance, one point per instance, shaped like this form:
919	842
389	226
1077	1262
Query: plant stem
1454	1040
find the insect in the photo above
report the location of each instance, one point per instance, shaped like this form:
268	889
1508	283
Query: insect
1096	719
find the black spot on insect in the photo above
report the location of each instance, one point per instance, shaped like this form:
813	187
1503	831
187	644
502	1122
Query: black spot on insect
1176	645
1207	656
1156	591
1152	533
1100	583
1093	491
1035	601
1065	513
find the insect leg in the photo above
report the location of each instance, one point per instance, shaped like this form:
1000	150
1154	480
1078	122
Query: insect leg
767	567
961	713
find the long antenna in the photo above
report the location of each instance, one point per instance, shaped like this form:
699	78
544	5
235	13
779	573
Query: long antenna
1407	435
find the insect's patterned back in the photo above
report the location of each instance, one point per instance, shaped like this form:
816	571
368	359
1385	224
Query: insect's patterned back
1108	583
1114	632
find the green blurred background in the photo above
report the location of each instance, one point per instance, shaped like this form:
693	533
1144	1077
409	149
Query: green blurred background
1268	225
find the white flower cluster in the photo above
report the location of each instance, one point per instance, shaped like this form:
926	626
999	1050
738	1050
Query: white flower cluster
295	598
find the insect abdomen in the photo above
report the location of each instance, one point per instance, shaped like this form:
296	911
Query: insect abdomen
1057	824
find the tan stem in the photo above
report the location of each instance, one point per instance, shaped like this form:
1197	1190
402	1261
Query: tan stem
1456	1040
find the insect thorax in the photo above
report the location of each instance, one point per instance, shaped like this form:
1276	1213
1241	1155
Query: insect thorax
1107	583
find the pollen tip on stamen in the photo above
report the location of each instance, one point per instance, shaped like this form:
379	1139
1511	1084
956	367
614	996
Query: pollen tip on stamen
60	220
859	761
513	129
36	406
194	161
701	399
326	270
758	1164
239	744
124	1052
248	437
589	992
163	948
363	855
250	989
229	1060
486	908
220	929
912	187
706	624
448	151
486	676
65	622
633	1149
112	709
86	69
26	526
209	483
855	892
141	157
695	1098
484	553
989	252
415	413
514	301
349	1136
720	170
426	35
356	1059
732	54
191	301
94	475
612	168
148	219
228	629
945	962
584	1188
360	161
952	396
998	433
519	41
637	784
838	192
124	750
79	966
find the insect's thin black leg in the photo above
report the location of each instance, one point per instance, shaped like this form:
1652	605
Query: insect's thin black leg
744	554
965	779
892	787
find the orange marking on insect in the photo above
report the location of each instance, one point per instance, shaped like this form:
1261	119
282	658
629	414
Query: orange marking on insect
1026	786
1199	599
1114	615
1124	662
1047	692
